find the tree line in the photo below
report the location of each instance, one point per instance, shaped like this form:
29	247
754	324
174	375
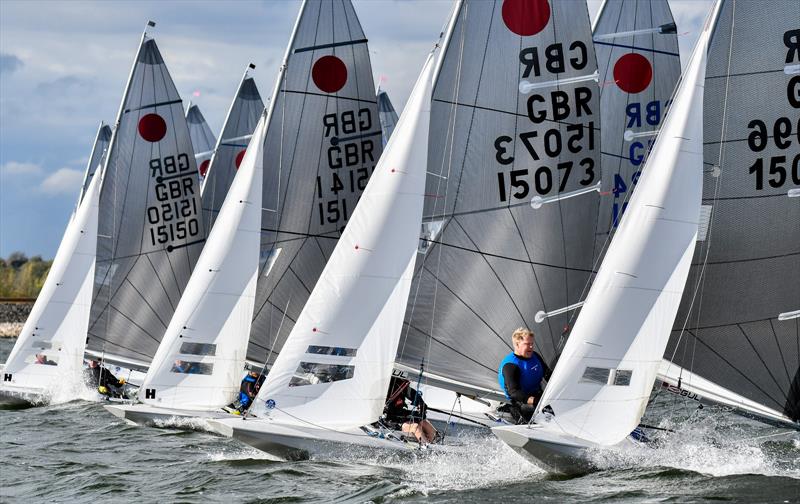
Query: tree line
21	276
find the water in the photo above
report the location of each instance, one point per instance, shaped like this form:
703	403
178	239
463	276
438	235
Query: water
77	452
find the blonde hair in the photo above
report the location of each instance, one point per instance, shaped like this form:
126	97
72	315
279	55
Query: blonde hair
520	333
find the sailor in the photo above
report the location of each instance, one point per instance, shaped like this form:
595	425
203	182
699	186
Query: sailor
107	384
410	421
251	383
520	375
42	359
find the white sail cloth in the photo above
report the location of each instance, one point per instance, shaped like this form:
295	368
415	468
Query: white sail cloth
211	325
335	366
600	387
56	327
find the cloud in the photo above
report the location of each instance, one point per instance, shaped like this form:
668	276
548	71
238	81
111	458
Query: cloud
9	63
15	168
63	181
64	84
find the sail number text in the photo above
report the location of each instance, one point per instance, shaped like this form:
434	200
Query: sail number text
174	215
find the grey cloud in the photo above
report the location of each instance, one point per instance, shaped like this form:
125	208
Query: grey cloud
9	63
64	84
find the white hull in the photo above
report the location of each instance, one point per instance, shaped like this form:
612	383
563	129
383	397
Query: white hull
554	452
21	397
143	414
295	442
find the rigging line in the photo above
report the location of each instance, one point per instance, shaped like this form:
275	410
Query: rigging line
767	368
466	305
514	259
697	338
756	196
496	275
750	259
717	183
780	351
744	74
451	348
731	324
561	219
264	371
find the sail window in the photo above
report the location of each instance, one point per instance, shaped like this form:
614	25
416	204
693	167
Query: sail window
191	367
188	348
622	377
705	219
326	350
42	345
596	375
311	373
40	358
430	231
268	259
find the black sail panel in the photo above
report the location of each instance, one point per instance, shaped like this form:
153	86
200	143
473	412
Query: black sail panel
323	142
387	115
736	325
150	230
508	129
239	125
203	139
637	56
97	158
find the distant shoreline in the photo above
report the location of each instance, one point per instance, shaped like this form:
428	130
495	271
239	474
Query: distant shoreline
13	315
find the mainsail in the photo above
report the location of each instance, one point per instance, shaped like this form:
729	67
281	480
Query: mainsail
739	323
200	360
335	367
636	42
97	157
55	330
202	137
322	145
150	229
228	154
387	115
513	172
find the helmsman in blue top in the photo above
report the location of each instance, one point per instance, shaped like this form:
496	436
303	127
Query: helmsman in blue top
520	375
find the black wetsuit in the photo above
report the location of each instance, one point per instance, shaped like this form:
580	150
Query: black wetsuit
519	407
395	413
101	377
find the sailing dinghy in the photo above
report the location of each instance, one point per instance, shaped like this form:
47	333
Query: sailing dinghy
316	104
330	379
203	140
150	230
229	151
47	358
736	339
601	385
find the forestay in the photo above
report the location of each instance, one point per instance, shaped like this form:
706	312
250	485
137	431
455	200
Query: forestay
202	137
601	385
738	325
97	157
322	145
335	367
200	361
229	152
637	55
513	169
150	229
387	115
56	326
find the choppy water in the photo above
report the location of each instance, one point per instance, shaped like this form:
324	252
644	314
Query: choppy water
77	452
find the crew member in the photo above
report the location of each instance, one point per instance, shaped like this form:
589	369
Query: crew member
520	375
409	421
251	384
107	384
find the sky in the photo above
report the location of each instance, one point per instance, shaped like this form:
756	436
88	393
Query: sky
64	65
